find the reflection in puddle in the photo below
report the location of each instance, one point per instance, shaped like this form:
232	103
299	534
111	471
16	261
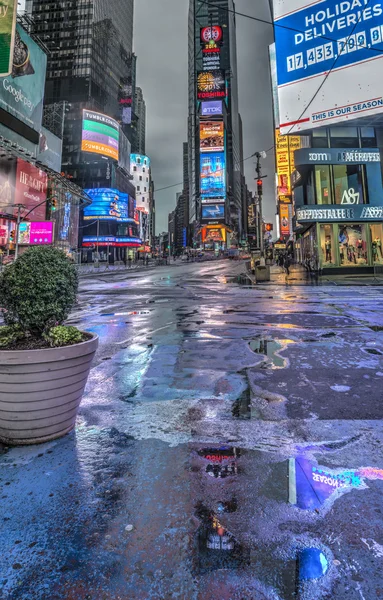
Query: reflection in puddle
311	485
271	349
241	408
222	461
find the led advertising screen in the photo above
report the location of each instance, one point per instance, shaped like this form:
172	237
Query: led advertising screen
212	108
212	136
36	233
50	150
22	183
213	212
100	134
7	35
22	92
284	217
213	176
333	46
211	85
107	205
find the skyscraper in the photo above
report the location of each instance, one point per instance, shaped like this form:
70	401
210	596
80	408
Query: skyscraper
139	142
213	98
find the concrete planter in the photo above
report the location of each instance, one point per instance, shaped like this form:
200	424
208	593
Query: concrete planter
41	390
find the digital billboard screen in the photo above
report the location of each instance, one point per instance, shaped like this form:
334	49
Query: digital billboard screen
211	84
22	92
213	176
50	150
212	108
7	36
332	46
212	136
36	233
22	183
213	212
107	205
100	134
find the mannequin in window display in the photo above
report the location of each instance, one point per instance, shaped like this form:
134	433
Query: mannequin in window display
328	249
379	246
359	245
375	257
343	244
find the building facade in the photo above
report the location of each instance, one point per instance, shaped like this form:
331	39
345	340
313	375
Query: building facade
139	144
90	70
214	139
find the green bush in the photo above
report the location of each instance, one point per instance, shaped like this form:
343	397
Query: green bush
63	336
9	335
38	290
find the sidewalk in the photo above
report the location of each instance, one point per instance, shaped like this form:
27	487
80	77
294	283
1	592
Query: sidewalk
300	276
90	269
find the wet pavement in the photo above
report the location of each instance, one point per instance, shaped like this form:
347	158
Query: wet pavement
229	447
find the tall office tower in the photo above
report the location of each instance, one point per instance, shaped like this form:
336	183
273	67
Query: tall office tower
213	125
138	145
91	69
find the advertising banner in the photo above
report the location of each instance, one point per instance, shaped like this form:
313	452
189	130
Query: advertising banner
7	35
338	45
212	108
50	150
212	136
213	176
107	205
211	84
285	149
22	92
36	233
100	134
213	234
213	212
284	219
31	190
4	232
124	153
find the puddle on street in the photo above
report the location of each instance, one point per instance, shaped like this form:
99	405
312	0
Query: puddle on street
241	408
373	351
271	349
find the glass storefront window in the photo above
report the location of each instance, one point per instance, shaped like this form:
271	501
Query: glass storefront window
327	245
368	137
352	245
377	243
322	184
348	184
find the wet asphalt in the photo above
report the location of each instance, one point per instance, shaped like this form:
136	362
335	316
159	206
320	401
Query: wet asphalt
228	447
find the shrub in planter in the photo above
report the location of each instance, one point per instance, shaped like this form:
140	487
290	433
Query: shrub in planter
44	364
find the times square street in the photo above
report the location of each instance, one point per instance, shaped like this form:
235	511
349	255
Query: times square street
229	446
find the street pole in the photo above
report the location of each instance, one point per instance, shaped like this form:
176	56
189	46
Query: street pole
19	208
258	169
98	235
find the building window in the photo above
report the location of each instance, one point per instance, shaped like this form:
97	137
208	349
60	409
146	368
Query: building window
134	168
344	137
348	186
376	230
327	245
352	245
322	184
367	137
319	138
140	177
138	188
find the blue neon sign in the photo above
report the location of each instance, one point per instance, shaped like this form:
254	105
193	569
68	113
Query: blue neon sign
309	41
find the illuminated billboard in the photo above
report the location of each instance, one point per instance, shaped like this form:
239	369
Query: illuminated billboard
37	233
22	92
22	183
335	47
213	212
7	36
212	108
212	136
285	148
213	176
100	134
108	204
284	216
213	33
211	84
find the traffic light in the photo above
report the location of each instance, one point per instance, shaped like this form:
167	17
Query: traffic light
260	187
53	204
12	236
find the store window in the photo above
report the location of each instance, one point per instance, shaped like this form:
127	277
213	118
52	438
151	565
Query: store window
344	137
322	184
376	243
348	184
352	245
319	138
327	245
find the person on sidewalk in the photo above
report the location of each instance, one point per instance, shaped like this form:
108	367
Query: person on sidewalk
130	261
287	264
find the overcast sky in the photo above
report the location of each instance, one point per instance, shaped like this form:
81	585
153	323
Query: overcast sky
160	42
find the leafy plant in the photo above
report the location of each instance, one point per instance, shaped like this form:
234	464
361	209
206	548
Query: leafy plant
38	290
9	335
63	336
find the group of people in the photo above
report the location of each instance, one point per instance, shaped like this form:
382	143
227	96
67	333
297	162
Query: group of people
128	259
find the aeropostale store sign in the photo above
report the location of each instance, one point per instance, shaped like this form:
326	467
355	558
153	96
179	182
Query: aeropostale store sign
333	213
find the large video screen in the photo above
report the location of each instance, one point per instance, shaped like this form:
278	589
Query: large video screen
212	136
211	85
108	204
213	175
213	212
100	134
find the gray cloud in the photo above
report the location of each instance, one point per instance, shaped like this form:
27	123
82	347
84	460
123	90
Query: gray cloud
160	42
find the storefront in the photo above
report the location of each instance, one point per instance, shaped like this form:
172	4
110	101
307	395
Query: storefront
338	198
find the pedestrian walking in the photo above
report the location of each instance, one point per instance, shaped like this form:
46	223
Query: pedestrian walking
147	261
130	261
286	264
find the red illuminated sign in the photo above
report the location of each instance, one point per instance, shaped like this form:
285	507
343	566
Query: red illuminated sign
211	34
31	189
